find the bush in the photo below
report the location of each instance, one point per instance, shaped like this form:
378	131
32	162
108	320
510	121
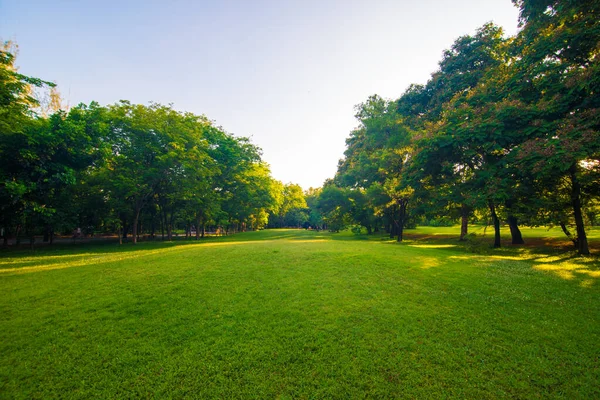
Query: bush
441	221
356	229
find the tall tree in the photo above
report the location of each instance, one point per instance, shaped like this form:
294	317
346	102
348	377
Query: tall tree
556	75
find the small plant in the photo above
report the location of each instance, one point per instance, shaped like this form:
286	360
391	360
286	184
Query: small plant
356	229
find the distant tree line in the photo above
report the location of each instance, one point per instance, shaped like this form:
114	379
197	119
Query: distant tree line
126	168
505	129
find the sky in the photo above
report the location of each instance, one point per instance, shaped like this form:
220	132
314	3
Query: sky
287	74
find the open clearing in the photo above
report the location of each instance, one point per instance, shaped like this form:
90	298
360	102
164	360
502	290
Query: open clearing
298	314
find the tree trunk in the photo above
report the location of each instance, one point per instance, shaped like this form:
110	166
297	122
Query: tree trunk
49	234
30	232
134	233
402	219
198	224
515	232
124	228
46	238
171	225
163	222
496	223
393	229
138	204
464	222
17	235
582	242
203	229
400	232
566	231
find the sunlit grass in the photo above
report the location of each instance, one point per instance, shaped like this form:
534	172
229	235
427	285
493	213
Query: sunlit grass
433	246
297	314
555	232
45	263
568	270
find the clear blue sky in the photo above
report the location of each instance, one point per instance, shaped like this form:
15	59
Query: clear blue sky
285	73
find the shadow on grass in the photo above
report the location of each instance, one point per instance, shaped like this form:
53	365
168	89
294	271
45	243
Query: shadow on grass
569	267
564	264
68	255
551	255
21	260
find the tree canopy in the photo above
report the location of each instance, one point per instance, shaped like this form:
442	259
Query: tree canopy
506	129
126	168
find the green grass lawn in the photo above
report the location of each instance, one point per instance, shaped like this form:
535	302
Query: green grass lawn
297	314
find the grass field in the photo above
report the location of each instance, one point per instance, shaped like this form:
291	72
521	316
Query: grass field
299	314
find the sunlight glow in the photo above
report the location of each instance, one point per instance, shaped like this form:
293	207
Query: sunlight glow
570	270
432	246
428	262
25	260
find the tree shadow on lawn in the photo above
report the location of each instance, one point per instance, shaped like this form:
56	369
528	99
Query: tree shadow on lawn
15	260
556	260
21	260
569	266
585	271
559	261
550	255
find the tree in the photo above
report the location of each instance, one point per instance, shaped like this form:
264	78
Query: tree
315	218
377	153
555	74
16	119
291	207
456	160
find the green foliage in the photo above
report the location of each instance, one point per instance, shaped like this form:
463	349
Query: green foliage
290	207
441	221
122	167
507	127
